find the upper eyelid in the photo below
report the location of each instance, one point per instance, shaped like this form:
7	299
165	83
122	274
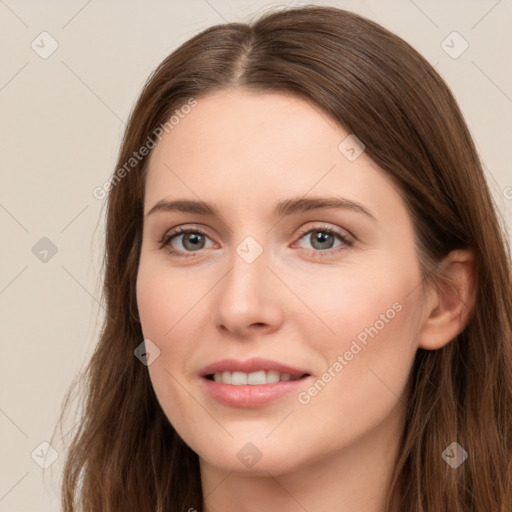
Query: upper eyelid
192	228
345	233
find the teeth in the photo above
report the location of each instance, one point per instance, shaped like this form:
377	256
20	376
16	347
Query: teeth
252	379
256	378
274	376
238	378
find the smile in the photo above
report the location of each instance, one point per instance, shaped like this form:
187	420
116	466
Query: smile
252	383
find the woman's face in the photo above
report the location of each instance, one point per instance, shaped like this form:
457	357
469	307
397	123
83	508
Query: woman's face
268	285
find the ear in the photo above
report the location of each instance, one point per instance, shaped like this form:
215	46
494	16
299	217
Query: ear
448	306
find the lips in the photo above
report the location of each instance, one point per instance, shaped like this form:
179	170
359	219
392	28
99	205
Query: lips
251	383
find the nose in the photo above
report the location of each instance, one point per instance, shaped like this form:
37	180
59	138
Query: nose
247	299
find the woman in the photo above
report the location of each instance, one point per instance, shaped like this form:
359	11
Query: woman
307	289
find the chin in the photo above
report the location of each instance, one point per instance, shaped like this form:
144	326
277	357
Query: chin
254	455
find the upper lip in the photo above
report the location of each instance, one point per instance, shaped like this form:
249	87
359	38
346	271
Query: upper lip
251	365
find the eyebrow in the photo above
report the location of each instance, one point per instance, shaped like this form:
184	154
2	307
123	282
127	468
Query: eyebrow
288	207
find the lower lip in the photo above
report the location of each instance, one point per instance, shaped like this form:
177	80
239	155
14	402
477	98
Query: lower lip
247	396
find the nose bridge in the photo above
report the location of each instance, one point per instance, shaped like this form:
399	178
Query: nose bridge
245	283
245	295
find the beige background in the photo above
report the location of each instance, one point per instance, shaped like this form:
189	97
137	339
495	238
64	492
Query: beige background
61	123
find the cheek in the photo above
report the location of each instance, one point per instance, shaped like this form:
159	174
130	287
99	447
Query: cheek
364	302
368	358
152	303
164	297
167	304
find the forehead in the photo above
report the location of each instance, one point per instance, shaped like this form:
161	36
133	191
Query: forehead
253	124
246	146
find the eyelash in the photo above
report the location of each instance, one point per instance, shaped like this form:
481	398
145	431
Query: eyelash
347	242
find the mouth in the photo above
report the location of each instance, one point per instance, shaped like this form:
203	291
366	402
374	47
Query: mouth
252	383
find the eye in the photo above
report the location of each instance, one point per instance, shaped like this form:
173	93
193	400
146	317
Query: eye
323	238
191	240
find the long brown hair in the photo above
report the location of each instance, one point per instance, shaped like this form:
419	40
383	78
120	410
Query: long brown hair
126	455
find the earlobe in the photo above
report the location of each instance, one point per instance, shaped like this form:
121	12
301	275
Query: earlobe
451	302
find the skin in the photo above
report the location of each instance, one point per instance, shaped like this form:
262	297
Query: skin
243	152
